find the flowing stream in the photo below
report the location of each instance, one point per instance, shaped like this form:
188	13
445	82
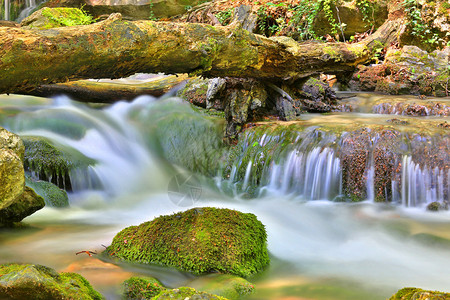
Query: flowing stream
319	249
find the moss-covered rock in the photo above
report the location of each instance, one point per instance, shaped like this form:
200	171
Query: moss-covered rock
12	180
410	293
51	162
53	195
23	281
26	204
184	293
225	285
142	288
46	18
200	240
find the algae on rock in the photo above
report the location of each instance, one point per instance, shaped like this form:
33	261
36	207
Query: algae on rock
24	281
53	195
200	241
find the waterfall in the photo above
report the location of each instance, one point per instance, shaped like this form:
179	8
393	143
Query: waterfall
314	175
7	10
30	5
422	185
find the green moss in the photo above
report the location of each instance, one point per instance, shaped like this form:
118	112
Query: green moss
142	288
65	16
53	195
225	285
23	281
410	293
236	242
332	53
51	161
184	293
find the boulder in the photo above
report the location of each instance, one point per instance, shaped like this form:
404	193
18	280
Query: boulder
225	285
12	179
25	281
26	204
199	240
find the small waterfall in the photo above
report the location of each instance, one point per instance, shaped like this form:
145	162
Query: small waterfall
7	9
422	185
315	175
30	6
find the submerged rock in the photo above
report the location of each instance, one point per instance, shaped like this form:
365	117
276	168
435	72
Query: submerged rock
225	285
142	288
410	293
184	293
23	281
53	195
200	241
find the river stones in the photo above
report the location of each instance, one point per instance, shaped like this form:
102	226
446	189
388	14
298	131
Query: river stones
26	204
24	281
199	240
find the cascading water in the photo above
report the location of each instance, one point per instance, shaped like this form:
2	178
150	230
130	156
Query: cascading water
30	6
7	9
351	250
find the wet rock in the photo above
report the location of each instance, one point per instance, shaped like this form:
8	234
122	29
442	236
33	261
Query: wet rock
26	204
12	179
184	293
437	206
410	293
50	162
23	281
215	88
200	240
142	288
53	195
228	286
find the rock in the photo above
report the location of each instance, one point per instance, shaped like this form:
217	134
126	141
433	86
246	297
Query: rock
46	18
195	91
49	161
23	281
244	17
4	23
53	195
356	19
12	180
409	70
437	206
225	285
184	293
26	204
142	288
215	88
134	9
410	293
200	241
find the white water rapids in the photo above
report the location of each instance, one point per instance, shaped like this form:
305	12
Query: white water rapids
363	248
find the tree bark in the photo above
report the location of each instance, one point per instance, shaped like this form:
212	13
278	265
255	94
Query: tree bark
115	48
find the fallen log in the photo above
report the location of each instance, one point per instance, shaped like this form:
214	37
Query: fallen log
108	91
115	48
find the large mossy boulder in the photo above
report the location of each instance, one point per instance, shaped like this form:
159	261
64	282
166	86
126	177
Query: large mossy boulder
12	179
24	281
200	241
410	293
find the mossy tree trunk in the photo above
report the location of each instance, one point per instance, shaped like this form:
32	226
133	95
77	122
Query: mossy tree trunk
115	48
